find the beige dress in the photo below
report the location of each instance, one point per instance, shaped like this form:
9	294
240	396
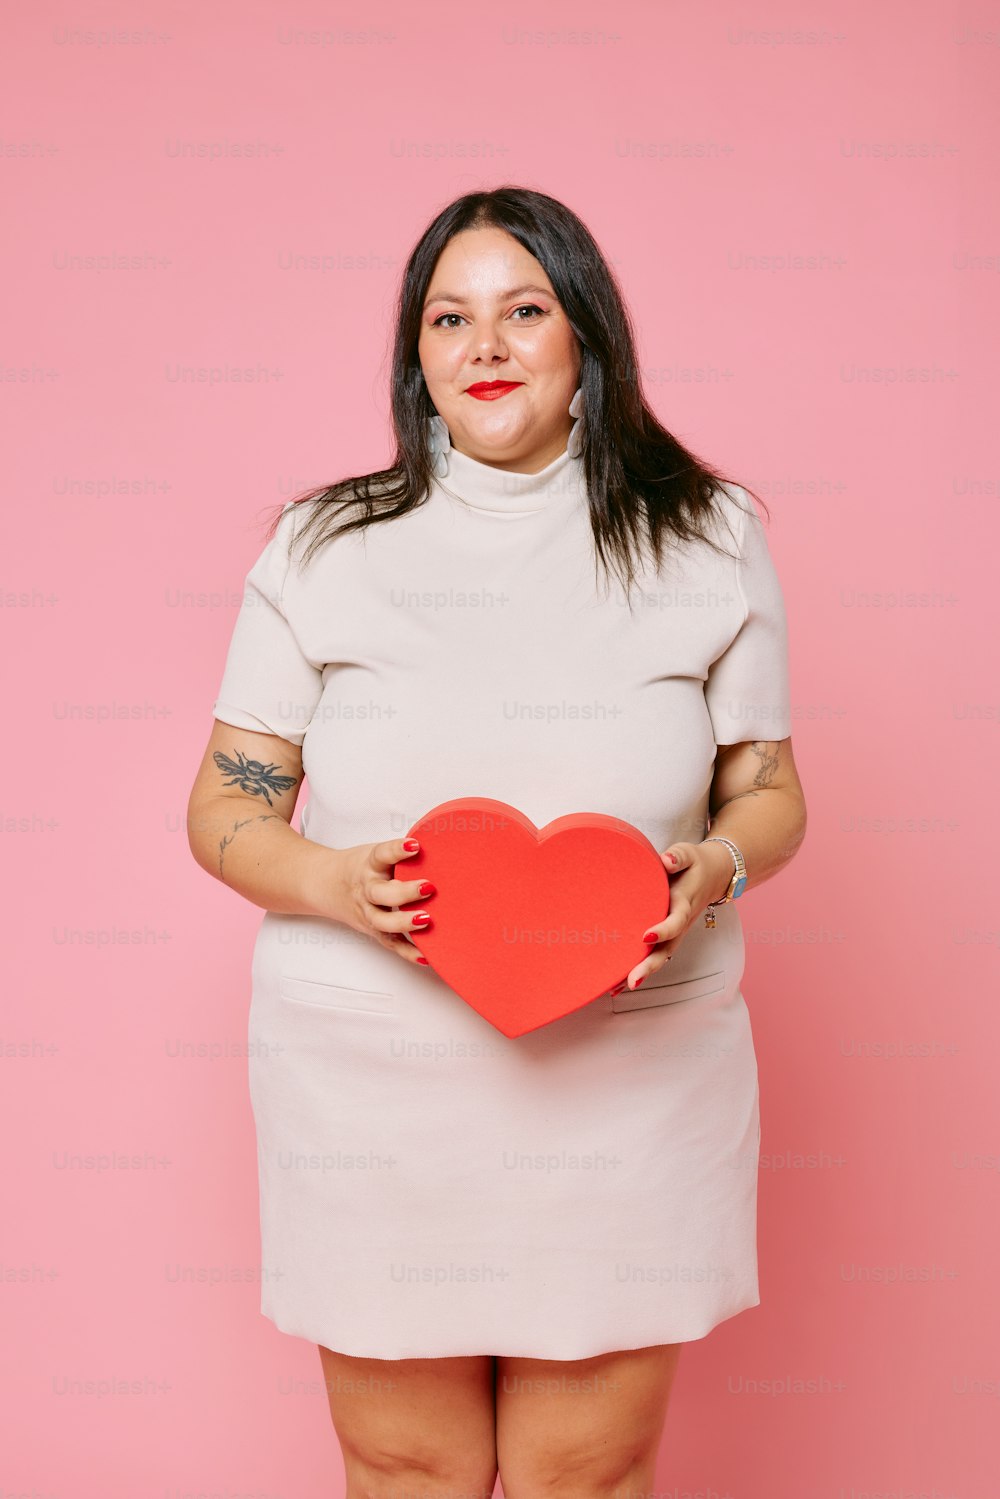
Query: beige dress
429	1187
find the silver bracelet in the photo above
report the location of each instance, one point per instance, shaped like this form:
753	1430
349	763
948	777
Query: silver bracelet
736	885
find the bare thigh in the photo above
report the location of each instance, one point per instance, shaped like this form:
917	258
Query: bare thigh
410	1428
583	1427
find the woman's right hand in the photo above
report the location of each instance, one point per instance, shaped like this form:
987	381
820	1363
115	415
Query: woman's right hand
366	892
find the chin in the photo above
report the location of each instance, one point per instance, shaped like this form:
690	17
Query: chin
493	437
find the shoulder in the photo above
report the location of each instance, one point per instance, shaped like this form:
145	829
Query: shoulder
271	566
749	531
316	514
734	514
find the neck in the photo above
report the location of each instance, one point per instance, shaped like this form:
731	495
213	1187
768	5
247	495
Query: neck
485	486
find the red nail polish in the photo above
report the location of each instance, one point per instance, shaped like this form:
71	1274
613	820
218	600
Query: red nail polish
650	937
411	845
427	888
638	982
425	961
421	918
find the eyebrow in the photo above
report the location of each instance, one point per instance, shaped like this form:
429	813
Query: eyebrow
514	291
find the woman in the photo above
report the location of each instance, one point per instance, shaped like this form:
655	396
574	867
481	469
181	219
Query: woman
539	602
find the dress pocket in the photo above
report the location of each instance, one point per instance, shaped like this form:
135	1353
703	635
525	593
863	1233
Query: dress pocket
335	996
645	998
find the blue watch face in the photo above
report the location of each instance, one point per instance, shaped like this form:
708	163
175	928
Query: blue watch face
739	887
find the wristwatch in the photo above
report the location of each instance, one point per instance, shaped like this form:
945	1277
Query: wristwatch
738	883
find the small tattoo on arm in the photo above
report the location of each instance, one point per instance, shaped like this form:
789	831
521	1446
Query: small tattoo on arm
768	762
253	776
227	840
764	774
737	796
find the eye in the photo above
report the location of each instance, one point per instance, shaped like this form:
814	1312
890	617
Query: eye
525	307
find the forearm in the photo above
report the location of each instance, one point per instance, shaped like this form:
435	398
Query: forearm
260	856
767	825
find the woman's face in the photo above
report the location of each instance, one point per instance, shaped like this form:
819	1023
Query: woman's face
491	316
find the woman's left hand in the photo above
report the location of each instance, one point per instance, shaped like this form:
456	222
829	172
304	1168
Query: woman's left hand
698	873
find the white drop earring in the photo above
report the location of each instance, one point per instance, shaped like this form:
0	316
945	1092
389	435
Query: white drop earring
574	443
438	444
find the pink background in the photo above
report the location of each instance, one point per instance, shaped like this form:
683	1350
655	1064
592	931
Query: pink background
693	145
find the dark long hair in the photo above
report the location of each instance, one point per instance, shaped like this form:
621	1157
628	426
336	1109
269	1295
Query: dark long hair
644	487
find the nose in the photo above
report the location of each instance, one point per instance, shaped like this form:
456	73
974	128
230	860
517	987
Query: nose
488	344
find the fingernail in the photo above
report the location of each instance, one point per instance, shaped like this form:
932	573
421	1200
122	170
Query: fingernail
672	858
650	937
421	918
425	961
427	888
411	845
638	982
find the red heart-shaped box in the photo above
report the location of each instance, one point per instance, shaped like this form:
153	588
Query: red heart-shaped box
531	924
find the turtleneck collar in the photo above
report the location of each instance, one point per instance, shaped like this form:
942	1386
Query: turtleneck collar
485	487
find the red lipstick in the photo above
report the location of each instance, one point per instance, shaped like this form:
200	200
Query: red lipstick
492	390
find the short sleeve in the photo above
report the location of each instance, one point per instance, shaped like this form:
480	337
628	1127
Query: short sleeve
269	685
747	688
